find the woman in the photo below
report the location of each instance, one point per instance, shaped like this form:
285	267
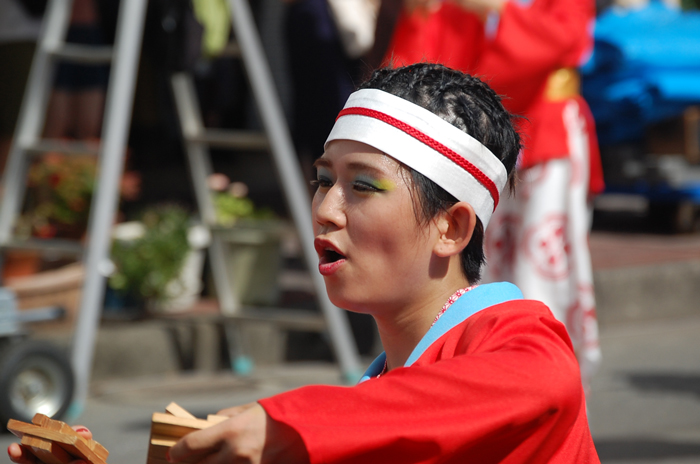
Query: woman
404	196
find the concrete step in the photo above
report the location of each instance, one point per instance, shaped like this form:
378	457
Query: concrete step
660	291
645	276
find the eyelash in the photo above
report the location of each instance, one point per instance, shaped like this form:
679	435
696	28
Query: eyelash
321	183
365	187
359	186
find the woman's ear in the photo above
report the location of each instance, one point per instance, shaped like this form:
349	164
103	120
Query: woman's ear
455	228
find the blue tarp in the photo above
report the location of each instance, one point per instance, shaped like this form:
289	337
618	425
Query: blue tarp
645	67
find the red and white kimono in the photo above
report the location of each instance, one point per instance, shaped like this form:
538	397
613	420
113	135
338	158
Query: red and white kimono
528	53
495	380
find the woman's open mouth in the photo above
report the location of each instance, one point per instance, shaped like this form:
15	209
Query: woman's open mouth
329	258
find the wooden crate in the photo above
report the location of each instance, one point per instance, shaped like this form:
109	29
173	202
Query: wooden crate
59	287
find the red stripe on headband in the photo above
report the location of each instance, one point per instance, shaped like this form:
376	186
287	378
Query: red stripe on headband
432	143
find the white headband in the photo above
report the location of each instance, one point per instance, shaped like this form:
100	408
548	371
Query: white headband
427	143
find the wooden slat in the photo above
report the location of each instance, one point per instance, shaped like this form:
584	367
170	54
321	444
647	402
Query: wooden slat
163	440
171	426
45	450
168	428
74	445
155	460
46	422
158	448
176	410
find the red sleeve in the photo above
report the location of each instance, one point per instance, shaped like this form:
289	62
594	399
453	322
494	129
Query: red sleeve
501	387
533	40
448	35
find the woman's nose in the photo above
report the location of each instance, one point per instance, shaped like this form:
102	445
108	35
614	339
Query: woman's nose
328	208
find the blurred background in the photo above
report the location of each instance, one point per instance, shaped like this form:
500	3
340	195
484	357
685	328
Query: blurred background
160	333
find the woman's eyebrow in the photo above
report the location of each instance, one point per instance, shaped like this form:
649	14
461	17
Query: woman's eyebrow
322	163
364	167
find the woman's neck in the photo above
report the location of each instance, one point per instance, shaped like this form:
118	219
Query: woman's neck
402	330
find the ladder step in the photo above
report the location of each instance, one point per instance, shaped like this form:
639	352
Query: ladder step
284	318
64	147
290	319
296	280
236	139
86	54
57	247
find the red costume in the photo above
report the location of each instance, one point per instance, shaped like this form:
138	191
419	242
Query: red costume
500	386
528	53
516	53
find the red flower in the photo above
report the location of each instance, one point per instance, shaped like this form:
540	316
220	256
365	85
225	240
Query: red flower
46	231
54	180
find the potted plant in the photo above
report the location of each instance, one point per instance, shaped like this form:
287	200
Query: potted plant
254	238
158	260
59	191
57	203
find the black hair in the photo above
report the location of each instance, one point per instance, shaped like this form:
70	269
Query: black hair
468	104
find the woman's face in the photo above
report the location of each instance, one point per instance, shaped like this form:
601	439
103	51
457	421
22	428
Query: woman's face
373	253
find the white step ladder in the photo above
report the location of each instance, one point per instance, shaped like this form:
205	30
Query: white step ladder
277	140
95	252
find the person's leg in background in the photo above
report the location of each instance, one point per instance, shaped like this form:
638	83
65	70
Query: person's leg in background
16	59
76	105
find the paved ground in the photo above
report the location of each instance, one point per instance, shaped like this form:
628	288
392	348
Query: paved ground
645	401
119	411
614	250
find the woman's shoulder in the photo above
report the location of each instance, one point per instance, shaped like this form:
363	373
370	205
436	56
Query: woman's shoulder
522	308
511	322
522	312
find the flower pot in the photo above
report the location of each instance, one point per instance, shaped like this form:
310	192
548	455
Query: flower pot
183	292
255	259
157	257
20	263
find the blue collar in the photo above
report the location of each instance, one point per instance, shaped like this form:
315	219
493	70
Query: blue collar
467	305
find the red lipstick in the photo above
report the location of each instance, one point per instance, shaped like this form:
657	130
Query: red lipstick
330	259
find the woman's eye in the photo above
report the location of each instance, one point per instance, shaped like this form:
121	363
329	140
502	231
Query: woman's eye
364	187
322	182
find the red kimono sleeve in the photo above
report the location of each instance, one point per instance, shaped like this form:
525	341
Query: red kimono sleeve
503	387
533	40
448	35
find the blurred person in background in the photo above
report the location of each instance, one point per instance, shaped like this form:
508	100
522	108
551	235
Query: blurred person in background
528	51
325	40
20	23
77	101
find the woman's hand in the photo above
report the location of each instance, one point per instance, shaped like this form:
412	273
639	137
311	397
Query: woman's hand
249	436
21	455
